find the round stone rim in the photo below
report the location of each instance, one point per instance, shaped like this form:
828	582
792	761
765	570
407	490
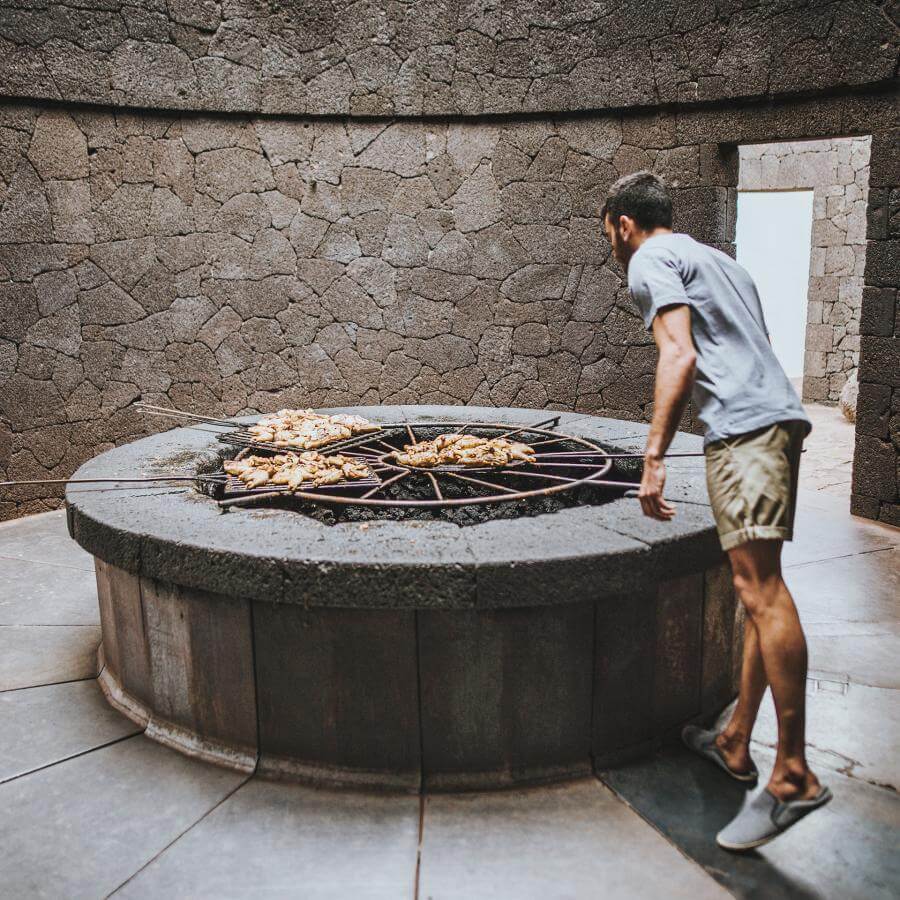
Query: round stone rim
176	534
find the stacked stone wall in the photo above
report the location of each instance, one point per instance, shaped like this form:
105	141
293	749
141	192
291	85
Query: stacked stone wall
837	172
876	462
437	57
226	265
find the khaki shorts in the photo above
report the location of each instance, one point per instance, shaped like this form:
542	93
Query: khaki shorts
752	481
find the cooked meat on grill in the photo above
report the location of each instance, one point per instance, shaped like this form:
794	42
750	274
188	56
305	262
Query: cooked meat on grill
303	429
296	471
463	450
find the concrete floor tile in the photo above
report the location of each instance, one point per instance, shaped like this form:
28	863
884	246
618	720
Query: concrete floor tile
850	728
867	653
820	534
845	851
43	538
860	588
566	841
39	594
45	725
284	840
32	655
82	827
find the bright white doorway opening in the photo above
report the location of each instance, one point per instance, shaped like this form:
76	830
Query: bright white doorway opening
774	236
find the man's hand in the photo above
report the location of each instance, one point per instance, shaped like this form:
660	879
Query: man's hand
651	492
674	377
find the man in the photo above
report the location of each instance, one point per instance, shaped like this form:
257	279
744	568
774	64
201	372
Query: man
708	325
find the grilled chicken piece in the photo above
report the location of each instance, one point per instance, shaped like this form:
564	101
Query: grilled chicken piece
463	450
296	470
256	478
356	424
304	429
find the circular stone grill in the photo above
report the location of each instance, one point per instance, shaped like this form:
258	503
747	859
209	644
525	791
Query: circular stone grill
546	639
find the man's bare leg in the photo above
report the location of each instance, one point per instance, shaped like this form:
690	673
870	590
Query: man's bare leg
734	740
756	568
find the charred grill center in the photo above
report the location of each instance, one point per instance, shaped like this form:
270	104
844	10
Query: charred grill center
359	635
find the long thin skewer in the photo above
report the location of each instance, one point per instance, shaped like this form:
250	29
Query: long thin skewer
551	441
181	414
154	478
586	481
565	465
552	422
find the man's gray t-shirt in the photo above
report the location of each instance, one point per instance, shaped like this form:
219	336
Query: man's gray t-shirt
740	386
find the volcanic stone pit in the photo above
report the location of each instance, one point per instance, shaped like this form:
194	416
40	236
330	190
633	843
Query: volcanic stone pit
408	653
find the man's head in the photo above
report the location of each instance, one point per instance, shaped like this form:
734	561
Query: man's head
637	205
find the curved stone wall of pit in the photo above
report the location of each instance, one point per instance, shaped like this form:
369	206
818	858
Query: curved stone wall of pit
437	57
227	265
407	655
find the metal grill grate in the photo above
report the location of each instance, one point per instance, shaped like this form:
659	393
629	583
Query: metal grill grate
561	463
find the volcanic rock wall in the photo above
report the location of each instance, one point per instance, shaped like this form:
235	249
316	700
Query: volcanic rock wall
432	57
425	239
837	172
237	264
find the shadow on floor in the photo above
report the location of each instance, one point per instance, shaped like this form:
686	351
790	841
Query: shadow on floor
846	850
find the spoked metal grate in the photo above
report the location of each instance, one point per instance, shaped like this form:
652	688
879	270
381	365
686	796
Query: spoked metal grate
560	463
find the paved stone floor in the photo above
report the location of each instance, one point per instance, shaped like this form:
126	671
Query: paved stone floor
89	807
828	462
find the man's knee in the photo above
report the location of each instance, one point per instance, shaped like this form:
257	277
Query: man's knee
756	574
758	593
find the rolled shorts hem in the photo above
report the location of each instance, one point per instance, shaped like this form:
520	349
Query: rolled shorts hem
754	533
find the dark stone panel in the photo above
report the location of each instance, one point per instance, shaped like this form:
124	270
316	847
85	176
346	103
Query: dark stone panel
678	651
624	674
883	263
337	694
874	469
651	665
873	410
861	505
201	660
125	649
879	359
877	214
506	694
721	637
879	311
884	165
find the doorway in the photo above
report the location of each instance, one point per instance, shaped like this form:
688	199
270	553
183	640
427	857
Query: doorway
774	235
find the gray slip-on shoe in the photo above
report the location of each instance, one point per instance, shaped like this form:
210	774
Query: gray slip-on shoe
704	742
763	817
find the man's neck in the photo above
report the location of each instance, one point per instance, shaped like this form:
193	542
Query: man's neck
642	236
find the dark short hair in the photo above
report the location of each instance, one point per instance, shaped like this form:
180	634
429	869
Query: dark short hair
641	196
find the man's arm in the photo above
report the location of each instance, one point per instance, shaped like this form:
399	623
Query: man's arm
674	379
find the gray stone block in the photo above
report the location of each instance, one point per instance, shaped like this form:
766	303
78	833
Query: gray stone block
43	726
66	826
